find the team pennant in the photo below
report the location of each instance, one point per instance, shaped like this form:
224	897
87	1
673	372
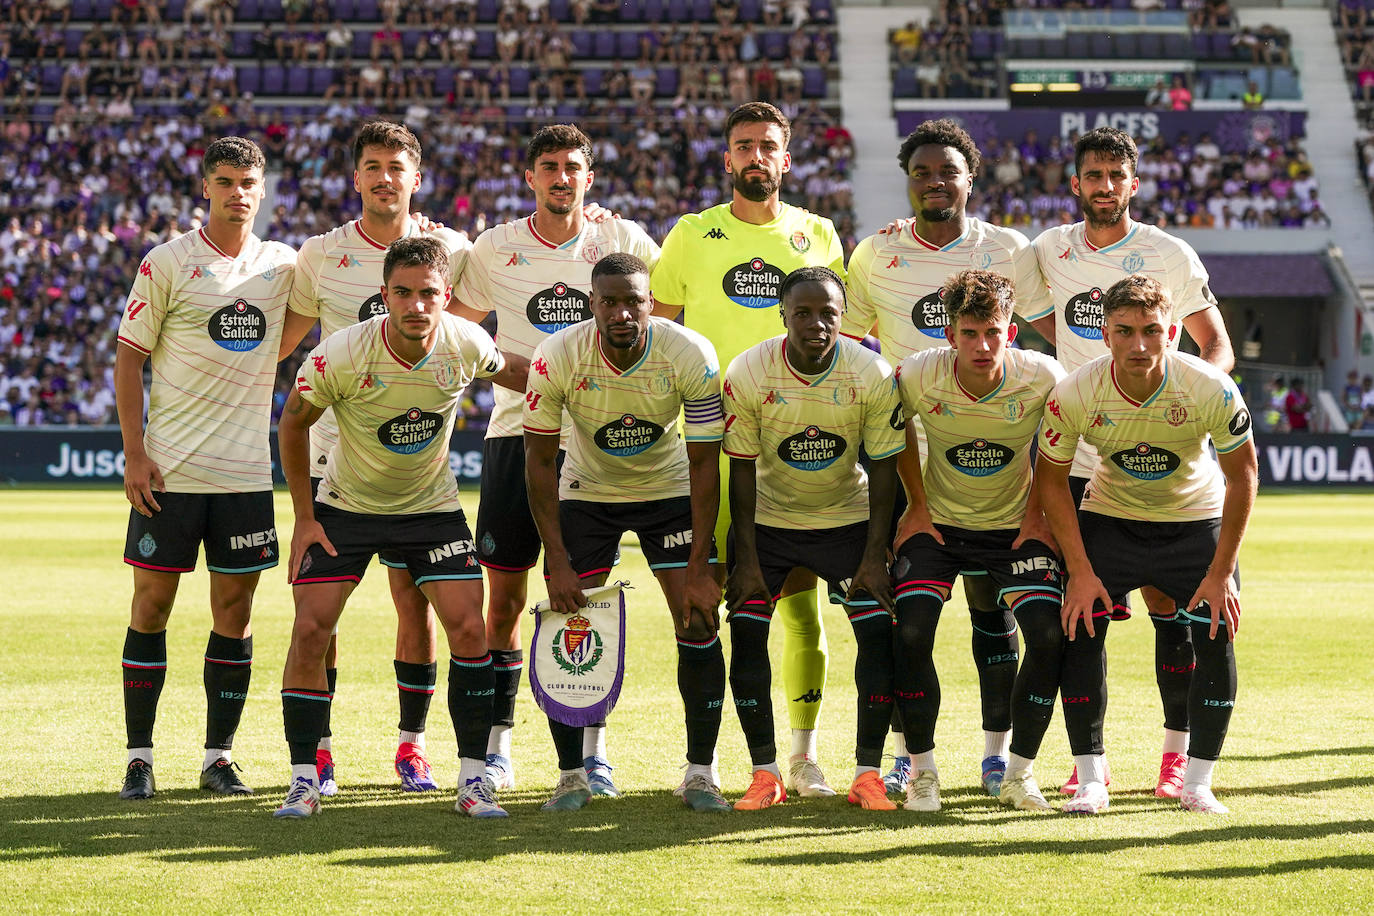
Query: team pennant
577	661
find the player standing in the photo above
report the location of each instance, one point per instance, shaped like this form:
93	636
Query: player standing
338	275
1081	261
798	409
622	380
394	382
1159	510
207	309
971	507
897	289
535	273
722	268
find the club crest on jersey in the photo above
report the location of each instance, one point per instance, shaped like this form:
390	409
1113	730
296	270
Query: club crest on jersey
1176	414
558	307
627	436
446	374
270	273
799	242
147	546
238	327
1083	314
1133	263
577	647
1014	409
373	306
591	253
845	395
662	383
929	315
1146	462
410	432
812	449
753	284
979	458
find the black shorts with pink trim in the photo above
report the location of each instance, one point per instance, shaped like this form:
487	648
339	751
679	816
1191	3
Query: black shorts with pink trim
833	554
1171	556
592	532
507	539
236	528
431	545
1030	572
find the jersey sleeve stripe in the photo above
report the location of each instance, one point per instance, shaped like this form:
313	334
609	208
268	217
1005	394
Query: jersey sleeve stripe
127	342
889	453
741	455
1053	460
542	432
1230	449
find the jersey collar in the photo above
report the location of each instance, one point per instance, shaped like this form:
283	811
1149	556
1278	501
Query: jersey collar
809	382
1151	399
648	345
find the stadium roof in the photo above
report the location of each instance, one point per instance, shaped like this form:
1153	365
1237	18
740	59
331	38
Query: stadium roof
1269	275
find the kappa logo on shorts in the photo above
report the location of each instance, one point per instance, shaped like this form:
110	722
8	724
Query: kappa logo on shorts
238	326
1146	462
753	284
373	306
557	307
410	432
929	315
1083	314
147	546
627	436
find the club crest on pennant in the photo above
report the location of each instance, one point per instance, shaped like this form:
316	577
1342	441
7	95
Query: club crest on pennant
577	648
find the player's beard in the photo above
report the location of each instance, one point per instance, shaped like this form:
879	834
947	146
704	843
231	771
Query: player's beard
559	207
755	189
943	215
1093	217
625	343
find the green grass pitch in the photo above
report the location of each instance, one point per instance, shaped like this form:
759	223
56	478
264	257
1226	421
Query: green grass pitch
1298	772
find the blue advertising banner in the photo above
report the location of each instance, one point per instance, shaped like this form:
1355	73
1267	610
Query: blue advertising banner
86	454
1232	131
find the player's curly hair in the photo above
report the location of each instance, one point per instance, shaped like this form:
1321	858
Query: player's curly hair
1138	292
809	275
420	251
943	132
758	113
619	264
235	152
1108	141
554	138
389	136
980	295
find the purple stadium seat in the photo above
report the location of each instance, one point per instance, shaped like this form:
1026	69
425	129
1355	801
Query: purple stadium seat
443	80
1121	4
631	11
344	9
904	84
750	10
582	43
774	45
487	10
1176	47
1220	46
175	9
240	44
484	48
1024	46
271	10
321	78
678	11
591	77
559	10
1100	45
667	82
1125	46
1052	47
822	9
367	11
362	42
813	82
248	11
701	11
83	9
568	111
102	9
1149	46
603	45
410	38
51	79
1076	46
248	78
1202	46
71	40
627	45
980	44
519	81
653	10
273	79
298	80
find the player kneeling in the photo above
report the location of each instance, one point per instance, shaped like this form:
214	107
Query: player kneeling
972	508
394	382
798	408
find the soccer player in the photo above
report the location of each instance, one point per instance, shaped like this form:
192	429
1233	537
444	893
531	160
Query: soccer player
896	290
207	309
721	270
970	506
1079	262
798	409
1159	510
535	273
338	275
394	382
621	380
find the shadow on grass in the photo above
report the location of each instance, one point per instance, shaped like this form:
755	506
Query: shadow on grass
1353	863
1306	752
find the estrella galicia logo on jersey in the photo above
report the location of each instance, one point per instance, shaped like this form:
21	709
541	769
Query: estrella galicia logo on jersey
627	436
372	307
238	327
147	546
1240	423
979	458
1133	263
410	432
929	315
812	449
753	285
555	308
1146	462
1083	314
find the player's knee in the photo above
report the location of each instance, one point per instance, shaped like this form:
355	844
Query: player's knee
1041	629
